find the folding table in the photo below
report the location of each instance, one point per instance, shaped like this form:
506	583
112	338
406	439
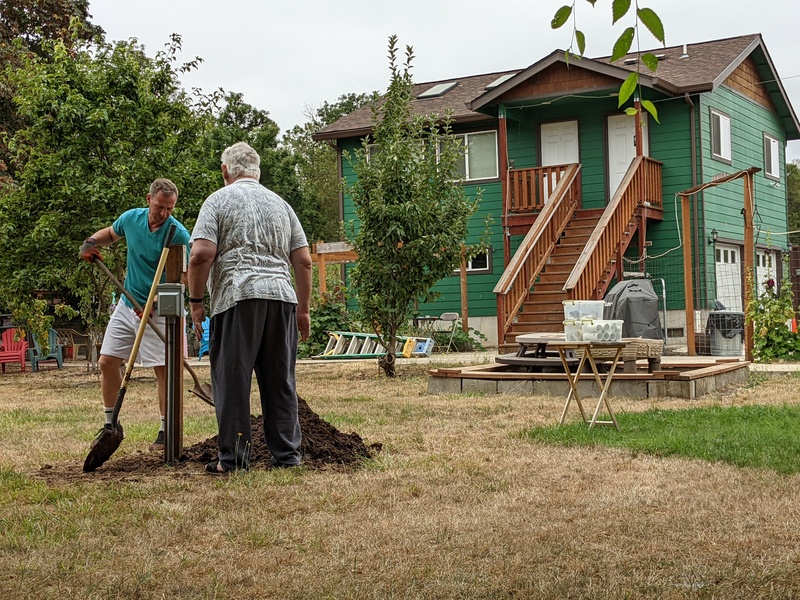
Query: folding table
565	350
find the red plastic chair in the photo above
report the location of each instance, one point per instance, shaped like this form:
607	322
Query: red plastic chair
13	350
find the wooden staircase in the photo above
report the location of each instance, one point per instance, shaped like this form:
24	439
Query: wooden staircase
542	310
568	253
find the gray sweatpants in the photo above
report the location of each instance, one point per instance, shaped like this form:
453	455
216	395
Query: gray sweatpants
260	336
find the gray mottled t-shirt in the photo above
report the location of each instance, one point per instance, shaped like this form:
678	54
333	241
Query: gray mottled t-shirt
254	230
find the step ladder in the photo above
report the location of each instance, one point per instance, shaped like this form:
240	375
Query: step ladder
349	344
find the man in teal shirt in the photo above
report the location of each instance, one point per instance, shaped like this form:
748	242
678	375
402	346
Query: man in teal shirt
145	230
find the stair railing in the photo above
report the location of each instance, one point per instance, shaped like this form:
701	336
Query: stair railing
532	254
530	189
613	232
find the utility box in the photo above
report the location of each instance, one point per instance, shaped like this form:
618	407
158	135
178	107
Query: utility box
725	329
170	299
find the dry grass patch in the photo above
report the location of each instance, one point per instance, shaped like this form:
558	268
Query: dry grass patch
457	505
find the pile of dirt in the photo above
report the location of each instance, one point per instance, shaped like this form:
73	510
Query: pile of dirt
323	444
323	447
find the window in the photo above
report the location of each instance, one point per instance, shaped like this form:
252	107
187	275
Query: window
480	155
438	90
480	263
372	151
720	136
772	154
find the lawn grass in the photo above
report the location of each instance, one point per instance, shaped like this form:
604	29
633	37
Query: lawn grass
745	436
458	504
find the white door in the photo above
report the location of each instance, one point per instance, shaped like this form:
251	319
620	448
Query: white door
559	146
765	268
622	147
729	276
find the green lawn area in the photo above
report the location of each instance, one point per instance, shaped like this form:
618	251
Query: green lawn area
765	437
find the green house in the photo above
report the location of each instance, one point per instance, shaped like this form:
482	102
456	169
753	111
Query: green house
582	195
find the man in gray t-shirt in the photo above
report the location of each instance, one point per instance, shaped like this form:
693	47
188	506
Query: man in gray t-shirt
245	243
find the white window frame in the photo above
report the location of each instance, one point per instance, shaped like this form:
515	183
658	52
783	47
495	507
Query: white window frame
721	128
465	137
772	157
480	270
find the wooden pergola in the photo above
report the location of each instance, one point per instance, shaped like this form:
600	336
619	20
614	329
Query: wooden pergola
749	250
335	253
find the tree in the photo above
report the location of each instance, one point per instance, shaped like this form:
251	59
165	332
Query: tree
793	199
103	122
238	121
316	167
25	27
412	217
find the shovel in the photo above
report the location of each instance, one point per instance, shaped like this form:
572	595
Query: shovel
108	440
202	391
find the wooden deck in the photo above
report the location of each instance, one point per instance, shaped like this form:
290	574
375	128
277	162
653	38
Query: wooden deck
679	376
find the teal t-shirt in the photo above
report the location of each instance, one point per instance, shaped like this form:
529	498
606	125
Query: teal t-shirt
144	249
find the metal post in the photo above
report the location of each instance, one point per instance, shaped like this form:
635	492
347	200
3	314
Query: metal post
172	438
170	306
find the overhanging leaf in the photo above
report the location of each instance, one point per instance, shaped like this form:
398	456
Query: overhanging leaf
652	22
627	88
651	108
650	61
631	112
561	16
623	44
581	39
619	9
591	2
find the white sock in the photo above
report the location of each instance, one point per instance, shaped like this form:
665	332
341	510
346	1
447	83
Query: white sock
109	414
163	420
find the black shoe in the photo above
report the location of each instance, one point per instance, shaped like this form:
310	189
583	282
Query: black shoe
158	445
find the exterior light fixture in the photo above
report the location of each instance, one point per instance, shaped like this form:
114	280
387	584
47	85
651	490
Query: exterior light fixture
714	235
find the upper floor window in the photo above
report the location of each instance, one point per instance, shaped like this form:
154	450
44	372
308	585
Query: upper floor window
772	155
720	136
480	155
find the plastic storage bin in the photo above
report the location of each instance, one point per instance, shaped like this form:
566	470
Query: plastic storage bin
601	330
573	330
583	309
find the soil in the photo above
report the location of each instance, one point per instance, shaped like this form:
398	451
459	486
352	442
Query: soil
323	447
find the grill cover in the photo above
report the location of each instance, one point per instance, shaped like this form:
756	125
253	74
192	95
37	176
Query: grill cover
636	304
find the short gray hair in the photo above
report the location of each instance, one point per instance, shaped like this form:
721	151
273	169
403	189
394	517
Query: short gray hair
242	161
164	186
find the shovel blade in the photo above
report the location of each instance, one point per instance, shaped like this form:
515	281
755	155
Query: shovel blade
103	446
203	391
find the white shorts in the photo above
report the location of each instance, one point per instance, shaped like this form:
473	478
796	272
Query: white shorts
121	333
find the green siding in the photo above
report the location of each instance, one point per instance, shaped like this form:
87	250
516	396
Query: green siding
723	204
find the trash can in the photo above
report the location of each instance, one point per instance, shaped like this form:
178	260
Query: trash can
725	328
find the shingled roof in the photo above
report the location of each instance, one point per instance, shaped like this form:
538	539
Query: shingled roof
359	122
703	68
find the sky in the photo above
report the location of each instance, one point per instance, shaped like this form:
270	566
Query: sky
290	57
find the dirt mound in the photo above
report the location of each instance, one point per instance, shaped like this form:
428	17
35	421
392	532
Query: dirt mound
323	447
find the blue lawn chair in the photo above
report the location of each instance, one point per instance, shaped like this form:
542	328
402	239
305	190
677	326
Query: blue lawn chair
35	354
204	339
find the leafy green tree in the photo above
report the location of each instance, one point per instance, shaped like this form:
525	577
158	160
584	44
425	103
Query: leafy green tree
317	167
238	121
412	218
793	197
25	27
103	122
